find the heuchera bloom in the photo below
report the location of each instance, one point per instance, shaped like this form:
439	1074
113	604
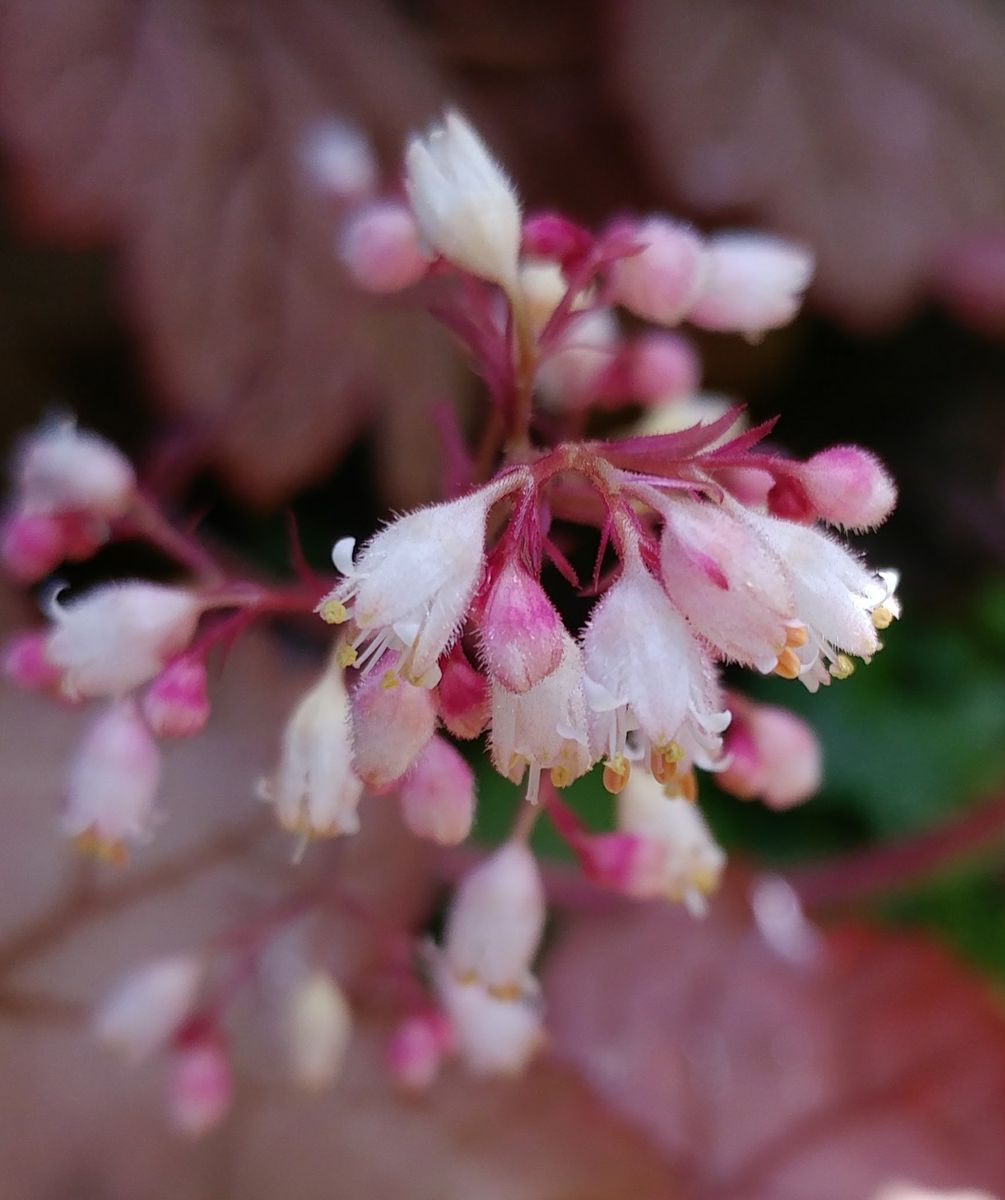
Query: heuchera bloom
319	1026
64	469
493	1036
392	722
146	1007
438	795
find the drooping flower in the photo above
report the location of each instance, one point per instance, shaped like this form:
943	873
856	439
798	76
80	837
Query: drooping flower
119	636
438	795
177	702
521	631
148	1005
319	1027
771	753
61	468
466	208
315	791
545	728
392	722
646	672
112	788
496	920
493	1036
661	281
200	1086
412	583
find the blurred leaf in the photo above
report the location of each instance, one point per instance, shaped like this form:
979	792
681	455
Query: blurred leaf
870	129
763	1078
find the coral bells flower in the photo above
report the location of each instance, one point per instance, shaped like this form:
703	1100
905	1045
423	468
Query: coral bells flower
496	919
319	1028
119	636
772	754
692	862
380	248
411	585
147	1007
438	795
31	545
521	632
416	1050
200	1088
462	696
666	276
646	672
493	1036
466	208
113	784
545	728
392	720
848	486
314	790
61	469
177	702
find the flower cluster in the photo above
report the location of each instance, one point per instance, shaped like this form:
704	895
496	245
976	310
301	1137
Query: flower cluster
708	546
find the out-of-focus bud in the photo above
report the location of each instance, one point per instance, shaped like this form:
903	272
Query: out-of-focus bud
148	1006
772	754
113	784
624	862
380	248
438	795
573	373
416	1049
200	1088
551	235
25	663
31	545
521	631
543	287
755	282
319	1030
315	790
848	486
340	160
493	1036
665	277
663	366
465	206
911	1191
392	720
496	920
177	702
119	636
61	469
462	696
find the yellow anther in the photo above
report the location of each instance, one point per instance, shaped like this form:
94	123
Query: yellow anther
345	655
796	636
467	977
684	786
332	611
389	681
94	846
842	667
561	776
704	879
616	773
788	664
505	991
882	618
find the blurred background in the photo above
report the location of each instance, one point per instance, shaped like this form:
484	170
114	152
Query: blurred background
168	271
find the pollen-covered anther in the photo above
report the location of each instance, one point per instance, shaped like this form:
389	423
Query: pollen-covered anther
345	655
842	667
106	850
617	771
333	612
796	636
788	665
882	617
685	785
663	761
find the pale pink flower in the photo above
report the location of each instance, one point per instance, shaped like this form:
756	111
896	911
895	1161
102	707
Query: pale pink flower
119	635
493	1036
60	469
848	486
416	1049
755	282
148	1006
545	728
25	663
569	376
113	782
341	160
315	790
661	282
392	720
466	208
438	795
380	249
177	702
521	631
772	754
200	1088
31	545
496	919
663	366
462	696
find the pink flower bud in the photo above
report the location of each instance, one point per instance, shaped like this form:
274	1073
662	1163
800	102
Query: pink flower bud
773	754
177	704
573	375
25	663
380	248
550	235
661	281
82	534
392	720
31	545
200	1089
416	1049
663	367
341	160
462	696
624	862
148	1006
438	795
521	631
496	920
755	282
62	469
113	784
119	636
849	486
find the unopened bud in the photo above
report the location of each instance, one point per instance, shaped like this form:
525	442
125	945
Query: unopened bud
146	1007
462	696
340	159
416	1049
380	248
438	795
663	366
848	486
392	720
177	703
200	1089
31	545
521	631
26	665
772	754
320	1027
62	469
663	279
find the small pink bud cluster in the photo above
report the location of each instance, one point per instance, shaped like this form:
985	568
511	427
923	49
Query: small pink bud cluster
68	486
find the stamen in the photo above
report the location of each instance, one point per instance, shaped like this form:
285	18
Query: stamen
882	618
796	636
788	665
332	611
616	773
345	655
842	667
93	845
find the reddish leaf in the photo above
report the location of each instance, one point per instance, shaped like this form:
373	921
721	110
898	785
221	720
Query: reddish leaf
763	1080
871	130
